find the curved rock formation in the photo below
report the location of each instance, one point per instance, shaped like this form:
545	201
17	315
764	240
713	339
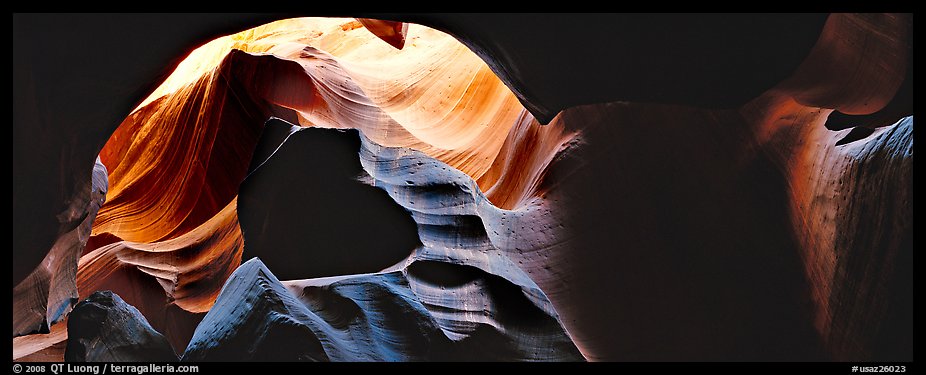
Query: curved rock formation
205	178
773	43
619	231
103	328
46	295
62	119
255	319
374	317
861	241
391	32
168	222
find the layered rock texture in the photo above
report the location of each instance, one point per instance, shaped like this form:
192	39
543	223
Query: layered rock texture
47	294
389	316
335	189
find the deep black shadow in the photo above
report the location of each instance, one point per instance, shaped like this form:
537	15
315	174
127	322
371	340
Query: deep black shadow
305	214
855	134
556	61
686	252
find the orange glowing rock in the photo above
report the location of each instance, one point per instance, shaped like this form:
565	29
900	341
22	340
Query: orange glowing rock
654	232
172	213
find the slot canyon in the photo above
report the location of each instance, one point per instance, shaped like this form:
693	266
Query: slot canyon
462	187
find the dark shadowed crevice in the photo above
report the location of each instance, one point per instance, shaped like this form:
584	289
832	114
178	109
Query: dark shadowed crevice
305	214
443	274
100	240
513	307
855	134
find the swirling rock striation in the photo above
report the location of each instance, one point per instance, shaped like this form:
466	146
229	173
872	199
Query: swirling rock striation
373	317
646	231
49	292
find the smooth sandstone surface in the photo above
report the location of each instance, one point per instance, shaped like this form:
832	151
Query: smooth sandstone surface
627	230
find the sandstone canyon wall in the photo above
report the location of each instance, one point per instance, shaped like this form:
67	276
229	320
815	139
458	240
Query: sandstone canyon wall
369	190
